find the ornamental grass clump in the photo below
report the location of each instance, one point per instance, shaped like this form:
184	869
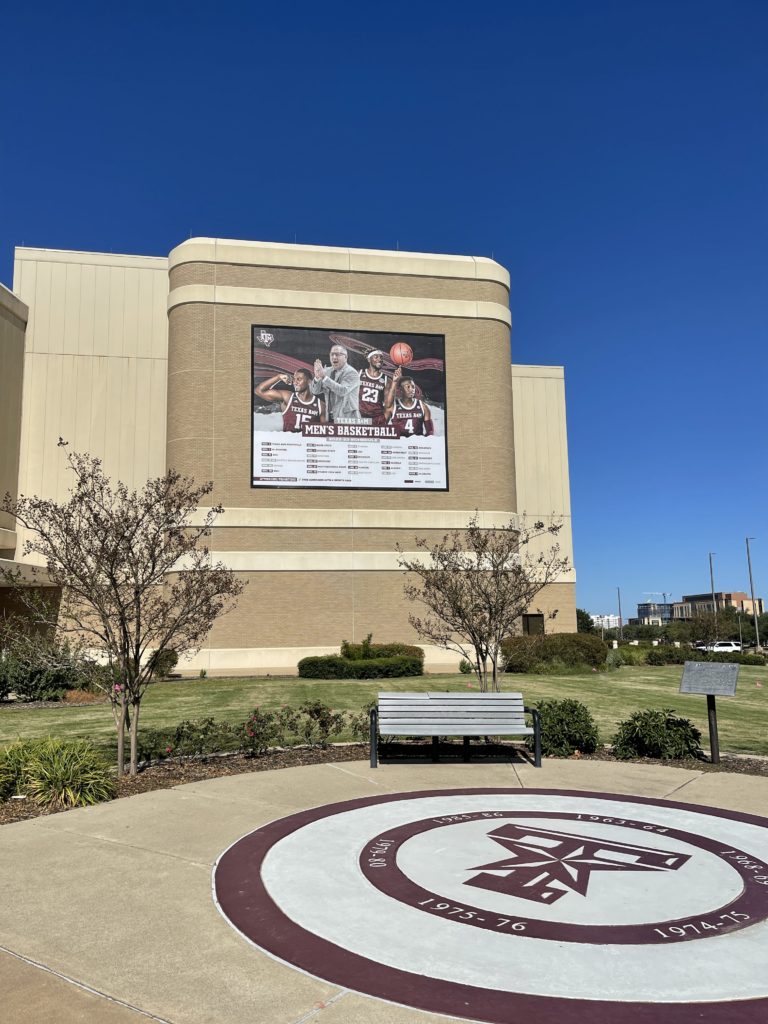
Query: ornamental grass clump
67	773
13	760
659	734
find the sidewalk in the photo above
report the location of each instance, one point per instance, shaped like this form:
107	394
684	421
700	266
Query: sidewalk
106	913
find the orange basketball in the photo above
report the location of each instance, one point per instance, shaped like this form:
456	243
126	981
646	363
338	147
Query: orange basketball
401	354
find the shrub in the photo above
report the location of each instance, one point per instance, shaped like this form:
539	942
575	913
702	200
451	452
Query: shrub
679	655
67	773
464	667
551	651
653	733
154	745
323	666
318	722
628	654
739	657
165	663
333	666
359	722
566	726
32	682
262	730
669	655
367	650
13	760
192	738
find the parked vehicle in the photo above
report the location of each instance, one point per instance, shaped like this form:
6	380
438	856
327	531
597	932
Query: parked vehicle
721	647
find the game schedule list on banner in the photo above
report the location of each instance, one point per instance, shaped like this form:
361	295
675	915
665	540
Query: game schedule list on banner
358	409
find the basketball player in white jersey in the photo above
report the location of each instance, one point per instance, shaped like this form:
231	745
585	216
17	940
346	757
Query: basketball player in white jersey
409	415
298	406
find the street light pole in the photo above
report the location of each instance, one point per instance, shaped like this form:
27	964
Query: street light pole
752	591
621	621
712	584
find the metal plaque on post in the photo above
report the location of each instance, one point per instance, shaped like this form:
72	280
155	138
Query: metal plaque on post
715	679
711	677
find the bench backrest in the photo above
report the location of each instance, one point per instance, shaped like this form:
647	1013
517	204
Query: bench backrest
419	711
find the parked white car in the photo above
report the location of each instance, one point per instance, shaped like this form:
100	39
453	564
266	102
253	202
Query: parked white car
721	647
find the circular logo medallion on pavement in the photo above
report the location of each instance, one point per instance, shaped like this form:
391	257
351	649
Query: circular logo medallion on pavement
499	904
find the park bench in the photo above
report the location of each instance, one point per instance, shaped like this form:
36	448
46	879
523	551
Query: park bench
438	714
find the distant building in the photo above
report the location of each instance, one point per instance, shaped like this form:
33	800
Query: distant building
693	605
606	621
652	613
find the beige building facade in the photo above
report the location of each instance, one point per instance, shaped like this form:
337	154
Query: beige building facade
147	363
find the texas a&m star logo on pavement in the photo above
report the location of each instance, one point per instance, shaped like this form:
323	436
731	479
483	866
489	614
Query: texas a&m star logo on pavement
544	865
495	905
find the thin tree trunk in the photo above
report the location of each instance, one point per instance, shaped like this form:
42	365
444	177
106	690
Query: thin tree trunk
134	738
120	725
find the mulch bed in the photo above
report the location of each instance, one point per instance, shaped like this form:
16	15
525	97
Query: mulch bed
174	773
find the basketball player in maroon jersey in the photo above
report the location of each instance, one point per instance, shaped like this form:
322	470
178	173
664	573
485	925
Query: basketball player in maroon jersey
373	389
409	415
299	406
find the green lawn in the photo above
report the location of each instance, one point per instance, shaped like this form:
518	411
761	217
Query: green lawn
611	696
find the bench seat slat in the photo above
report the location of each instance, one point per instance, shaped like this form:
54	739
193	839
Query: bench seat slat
453	709
454	695
490	729
441	727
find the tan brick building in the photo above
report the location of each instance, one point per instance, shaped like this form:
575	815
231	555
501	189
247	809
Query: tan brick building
147	362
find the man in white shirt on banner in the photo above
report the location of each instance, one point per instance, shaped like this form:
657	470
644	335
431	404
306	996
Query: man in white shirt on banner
339	384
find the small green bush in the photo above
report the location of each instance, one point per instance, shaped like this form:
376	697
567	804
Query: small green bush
323	666
317	722
566	726
653	733
663	655
465	667
552	652
367	650
628	654
67	773
263	729
333	666
165	663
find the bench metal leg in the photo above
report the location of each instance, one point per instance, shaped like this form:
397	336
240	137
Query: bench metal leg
374	738
536	738
435	748
465	749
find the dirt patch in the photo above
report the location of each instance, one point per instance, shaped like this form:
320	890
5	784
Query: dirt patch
174	773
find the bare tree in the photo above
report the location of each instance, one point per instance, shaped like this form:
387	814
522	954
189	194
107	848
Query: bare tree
136	578
476	584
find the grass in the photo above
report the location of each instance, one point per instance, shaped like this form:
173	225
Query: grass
610	696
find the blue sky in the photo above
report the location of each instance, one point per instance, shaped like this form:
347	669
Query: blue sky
613	155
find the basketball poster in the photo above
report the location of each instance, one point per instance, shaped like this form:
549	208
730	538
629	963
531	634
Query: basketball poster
361	410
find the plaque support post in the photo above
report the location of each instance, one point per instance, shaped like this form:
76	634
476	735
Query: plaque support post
714	743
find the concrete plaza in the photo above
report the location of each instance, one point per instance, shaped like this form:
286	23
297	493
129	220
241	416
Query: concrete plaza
106	913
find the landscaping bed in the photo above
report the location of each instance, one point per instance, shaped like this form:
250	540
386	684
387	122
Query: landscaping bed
178	773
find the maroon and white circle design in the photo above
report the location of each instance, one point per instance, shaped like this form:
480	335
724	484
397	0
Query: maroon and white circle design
498	904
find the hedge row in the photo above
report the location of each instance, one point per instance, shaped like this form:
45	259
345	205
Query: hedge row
664	655
366	651
334	666
546	652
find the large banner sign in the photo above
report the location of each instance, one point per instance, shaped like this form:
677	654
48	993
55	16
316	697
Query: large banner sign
348	409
